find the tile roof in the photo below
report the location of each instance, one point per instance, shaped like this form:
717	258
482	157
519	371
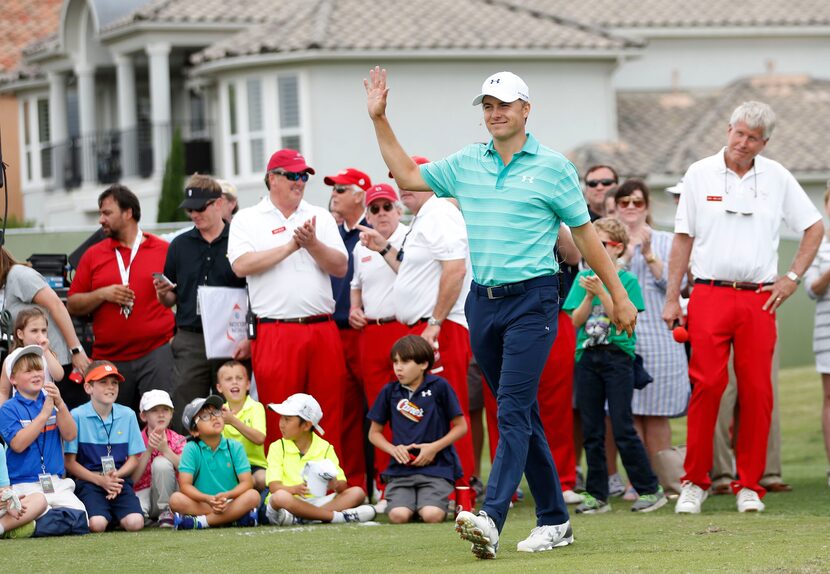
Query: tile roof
202	12
686	14
405	25
664	132
24	21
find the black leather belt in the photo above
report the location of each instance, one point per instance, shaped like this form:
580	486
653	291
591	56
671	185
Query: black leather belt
513	289
418	322
382	321
739	285
299	320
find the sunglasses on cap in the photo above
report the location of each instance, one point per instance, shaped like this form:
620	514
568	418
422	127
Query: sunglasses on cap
203	208
292	175
611	243
374	209
596	182
629	201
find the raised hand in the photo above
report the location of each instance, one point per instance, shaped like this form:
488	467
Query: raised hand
376	92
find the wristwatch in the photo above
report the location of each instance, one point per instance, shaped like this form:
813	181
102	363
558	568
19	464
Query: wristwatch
385	250
77	350
793	276
433	322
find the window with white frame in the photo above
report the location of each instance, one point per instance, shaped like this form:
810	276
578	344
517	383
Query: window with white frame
255	126
37	147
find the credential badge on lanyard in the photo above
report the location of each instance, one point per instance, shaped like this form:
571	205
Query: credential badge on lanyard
125	271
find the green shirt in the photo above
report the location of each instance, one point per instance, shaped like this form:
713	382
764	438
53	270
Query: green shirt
251	414
598	329
214	471
512	212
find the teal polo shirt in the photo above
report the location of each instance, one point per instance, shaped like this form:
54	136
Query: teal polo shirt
214	471
512	211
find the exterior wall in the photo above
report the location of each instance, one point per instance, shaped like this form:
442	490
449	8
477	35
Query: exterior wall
10	131
713	62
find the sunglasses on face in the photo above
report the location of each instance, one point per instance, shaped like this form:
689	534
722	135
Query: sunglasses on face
292	176
611	243
374	209
629	201
341	188
211	414
201	209
596	182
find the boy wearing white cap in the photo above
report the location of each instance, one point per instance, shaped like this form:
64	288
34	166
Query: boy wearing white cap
303	468
155	475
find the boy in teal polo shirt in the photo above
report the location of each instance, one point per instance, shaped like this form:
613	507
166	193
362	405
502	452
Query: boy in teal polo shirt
604	373
215	483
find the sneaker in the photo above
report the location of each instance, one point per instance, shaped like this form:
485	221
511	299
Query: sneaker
615	485
691	499
650	502
748	501
580	481
591	505
630	494
362	513
166	519
380	507
477	486
249	519
571	497
547	538
520	494
481	531
280	517
185	522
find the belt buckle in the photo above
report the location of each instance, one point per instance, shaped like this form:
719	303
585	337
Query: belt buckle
378	322
490	294
735	285
300	320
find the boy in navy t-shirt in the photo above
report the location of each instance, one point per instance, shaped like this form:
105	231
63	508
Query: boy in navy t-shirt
426	419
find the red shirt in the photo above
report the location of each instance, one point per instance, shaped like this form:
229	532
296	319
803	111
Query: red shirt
150	325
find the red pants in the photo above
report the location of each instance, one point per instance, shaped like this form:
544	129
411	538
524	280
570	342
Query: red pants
454	345
352	458
376	343
291	358
720	318
555	396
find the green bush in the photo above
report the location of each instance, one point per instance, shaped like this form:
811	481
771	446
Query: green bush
172	186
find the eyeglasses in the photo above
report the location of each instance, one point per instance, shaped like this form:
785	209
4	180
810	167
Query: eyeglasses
596	182
341	188
611	243
629	201
374	209
201	209
734	204
211	414
292	175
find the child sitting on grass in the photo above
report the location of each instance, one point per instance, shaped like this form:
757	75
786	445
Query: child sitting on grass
105	453
155	475
17	514
215	484
303	467
244	417
604	374
426	419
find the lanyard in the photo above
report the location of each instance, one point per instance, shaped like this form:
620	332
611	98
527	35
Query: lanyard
125	271
40	442
107	430
399	257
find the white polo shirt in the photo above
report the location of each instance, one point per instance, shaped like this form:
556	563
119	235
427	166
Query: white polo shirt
436	234
732	246
375	279
297	286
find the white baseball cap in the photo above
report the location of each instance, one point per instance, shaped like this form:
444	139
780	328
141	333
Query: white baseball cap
675	189
19	353
505	86
154	398
301	405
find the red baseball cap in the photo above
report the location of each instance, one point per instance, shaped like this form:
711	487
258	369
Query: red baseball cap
349	176
381	191
289	160
419	160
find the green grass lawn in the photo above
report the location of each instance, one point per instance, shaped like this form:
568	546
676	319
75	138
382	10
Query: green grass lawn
793	535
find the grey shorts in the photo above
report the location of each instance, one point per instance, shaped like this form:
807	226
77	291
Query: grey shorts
417	491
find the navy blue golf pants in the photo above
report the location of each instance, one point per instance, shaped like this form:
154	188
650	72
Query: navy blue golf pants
511	338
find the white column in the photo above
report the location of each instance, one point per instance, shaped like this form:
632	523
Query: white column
57	125
159	55
127	122
86	108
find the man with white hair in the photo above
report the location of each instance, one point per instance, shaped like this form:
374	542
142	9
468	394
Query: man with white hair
728	222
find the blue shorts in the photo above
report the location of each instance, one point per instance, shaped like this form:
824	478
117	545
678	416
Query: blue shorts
95	499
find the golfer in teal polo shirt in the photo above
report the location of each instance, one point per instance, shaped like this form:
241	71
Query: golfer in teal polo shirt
513	193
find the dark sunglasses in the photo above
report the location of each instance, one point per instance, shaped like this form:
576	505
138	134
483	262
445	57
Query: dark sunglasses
341	188
203	208
292	176
629	201
374	209
596	182
611	243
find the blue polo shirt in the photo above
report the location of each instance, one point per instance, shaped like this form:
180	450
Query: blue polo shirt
4	472
17	413
422	416
341	286
512	212
119	430
214	471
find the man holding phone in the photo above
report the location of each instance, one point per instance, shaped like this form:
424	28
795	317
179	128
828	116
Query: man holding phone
195	258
